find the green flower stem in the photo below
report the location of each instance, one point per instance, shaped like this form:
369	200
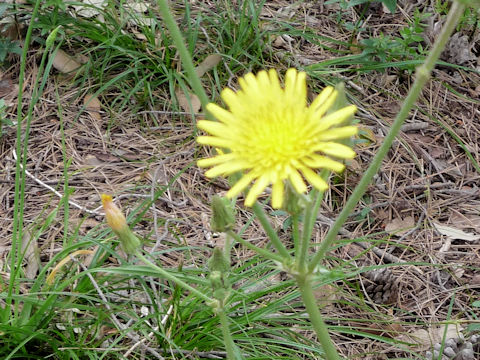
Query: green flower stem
308	223
265	253
227	336
272	234
296	233
315	316
169	276
422	76
187	62
310	217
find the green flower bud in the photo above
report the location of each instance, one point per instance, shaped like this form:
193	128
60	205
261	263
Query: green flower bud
220	285
294	202
223	218
219	261
52	36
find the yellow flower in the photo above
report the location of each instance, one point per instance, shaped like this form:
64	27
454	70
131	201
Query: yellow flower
272	136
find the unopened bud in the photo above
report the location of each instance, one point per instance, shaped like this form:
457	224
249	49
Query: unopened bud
223	218
219	266
294	203
117	222
219	261
52	36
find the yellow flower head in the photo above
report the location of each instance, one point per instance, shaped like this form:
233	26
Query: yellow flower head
113	214
273	136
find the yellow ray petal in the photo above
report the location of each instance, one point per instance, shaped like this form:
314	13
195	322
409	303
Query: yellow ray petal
214	141
337	117
297	181
277	194
338	133
323	101
263	80
314	179
230	98
241	184
301	88
213	127
290	83
221	114
318	161
227	168
338	150
216	160
249	83
257	188
274	82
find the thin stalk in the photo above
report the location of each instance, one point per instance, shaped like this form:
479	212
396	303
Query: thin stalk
66	165
187	62
265	253
19	171
227	336
422	76
308	223
168	276
310	217
305	286
296	233
272	234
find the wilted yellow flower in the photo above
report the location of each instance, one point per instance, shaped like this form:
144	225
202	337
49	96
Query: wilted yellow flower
113	214
273	136
116	220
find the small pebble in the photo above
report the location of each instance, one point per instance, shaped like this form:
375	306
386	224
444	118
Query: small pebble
451	343
449	352
466	354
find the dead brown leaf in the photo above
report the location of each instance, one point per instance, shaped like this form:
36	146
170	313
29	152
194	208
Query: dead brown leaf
208	64
426	338
65	63
31	255
105	157
399	226
454	233
8	91
6	87
100	158
466	221
186	100
126	155
92	105
384	329
91	160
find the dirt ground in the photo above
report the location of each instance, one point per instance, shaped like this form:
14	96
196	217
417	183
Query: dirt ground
429	183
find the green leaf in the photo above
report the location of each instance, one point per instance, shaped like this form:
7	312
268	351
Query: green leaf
476	303
391	5
3	7
7	46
